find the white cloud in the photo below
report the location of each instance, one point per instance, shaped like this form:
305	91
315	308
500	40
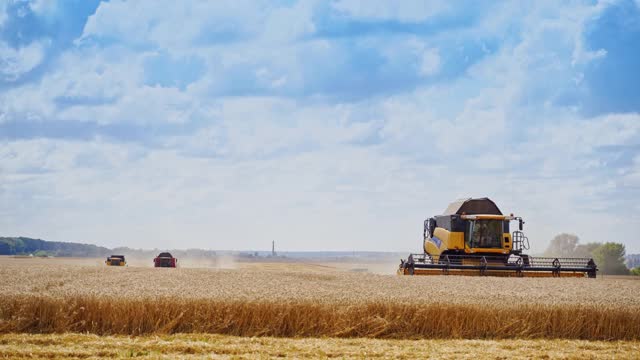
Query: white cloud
405	11
43	7
79	74
430	64
289	23
16	62
400	50
3	12
207	21
631	177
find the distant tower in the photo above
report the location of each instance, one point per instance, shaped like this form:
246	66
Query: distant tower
273	248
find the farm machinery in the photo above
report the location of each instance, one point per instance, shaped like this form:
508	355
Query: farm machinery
116	260
472	237
165	259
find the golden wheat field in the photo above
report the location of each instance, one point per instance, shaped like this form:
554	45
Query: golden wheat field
305	309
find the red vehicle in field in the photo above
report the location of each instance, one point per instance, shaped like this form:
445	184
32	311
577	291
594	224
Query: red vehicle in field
165	259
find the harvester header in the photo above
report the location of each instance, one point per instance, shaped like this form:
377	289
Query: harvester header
472	237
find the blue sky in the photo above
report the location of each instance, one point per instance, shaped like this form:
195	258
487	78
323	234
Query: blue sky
322	125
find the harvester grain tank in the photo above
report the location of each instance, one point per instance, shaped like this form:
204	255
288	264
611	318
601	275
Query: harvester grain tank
116	260
472	237
165	259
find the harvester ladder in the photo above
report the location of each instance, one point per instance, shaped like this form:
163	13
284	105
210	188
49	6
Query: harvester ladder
520	241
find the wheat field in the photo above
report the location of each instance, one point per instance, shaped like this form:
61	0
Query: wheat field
309	300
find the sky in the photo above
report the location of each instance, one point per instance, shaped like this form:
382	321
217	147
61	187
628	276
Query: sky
321	125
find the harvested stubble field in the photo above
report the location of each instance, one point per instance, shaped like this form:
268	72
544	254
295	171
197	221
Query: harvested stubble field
310	301
198	346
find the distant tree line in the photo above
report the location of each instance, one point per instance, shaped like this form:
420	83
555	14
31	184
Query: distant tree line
610	256
38	247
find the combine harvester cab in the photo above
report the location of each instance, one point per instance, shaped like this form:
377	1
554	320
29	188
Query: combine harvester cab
472	238
165	259
116	260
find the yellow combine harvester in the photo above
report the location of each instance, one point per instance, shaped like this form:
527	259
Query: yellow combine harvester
116	260
472	237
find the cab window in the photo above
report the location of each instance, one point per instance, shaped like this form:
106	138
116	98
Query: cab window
484	234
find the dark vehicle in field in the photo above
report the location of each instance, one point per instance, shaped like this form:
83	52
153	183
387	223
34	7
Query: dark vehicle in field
165	259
